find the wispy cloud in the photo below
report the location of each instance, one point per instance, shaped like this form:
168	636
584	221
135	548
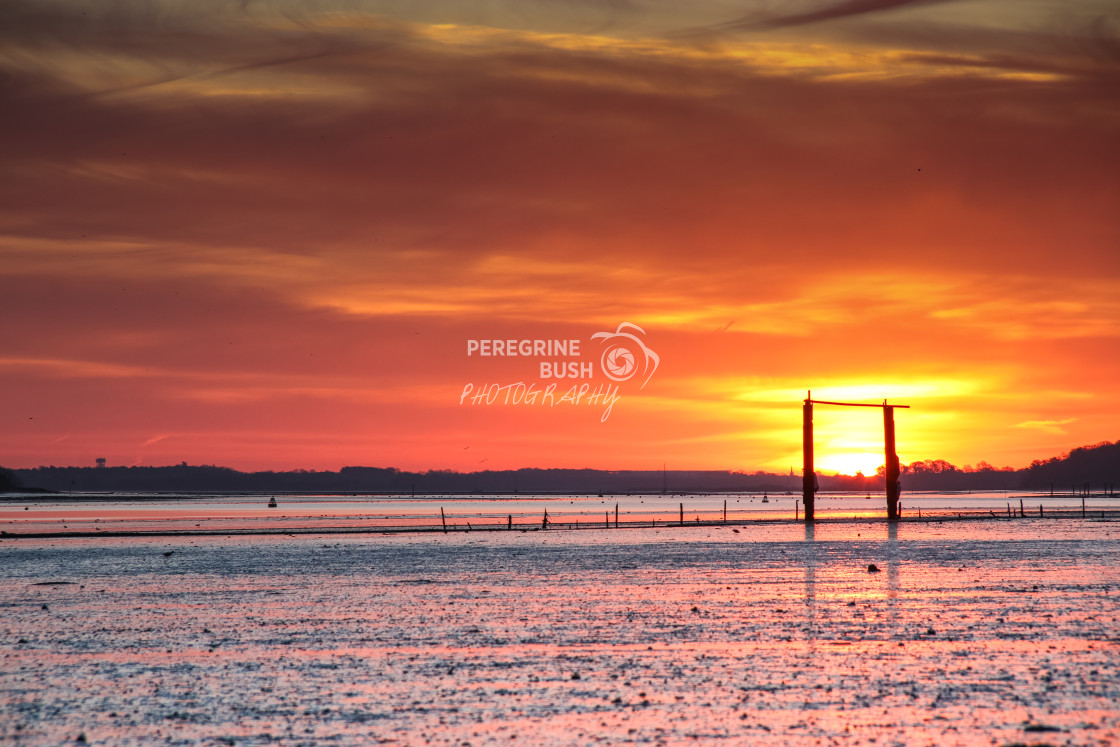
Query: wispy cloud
157	439
820	13
67	369
1047	426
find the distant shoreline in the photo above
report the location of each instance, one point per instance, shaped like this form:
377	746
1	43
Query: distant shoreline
171	495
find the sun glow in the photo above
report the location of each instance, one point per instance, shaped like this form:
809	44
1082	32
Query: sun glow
850	463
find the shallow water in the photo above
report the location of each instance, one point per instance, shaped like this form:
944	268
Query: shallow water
148	512
971	633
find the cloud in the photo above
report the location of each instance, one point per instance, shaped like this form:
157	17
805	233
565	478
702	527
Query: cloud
68	369
1047	426
157	439
827	12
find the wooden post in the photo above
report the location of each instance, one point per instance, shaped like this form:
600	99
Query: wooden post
607	515
1040	510
808	477
443	519
509	522
724	510
892	470
1021	511
544	522
892	467
1082	507
795	507
682	514
616	516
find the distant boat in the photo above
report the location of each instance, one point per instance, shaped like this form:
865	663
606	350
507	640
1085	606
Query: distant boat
765	499
272	502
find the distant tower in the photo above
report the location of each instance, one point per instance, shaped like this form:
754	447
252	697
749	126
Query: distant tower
101	462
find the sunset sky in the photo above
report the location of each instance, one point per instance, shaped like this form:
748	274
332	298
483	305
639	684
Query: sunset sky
260	234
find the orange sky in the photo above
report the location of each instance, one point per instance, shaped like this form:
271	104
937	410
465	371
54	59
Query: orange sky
262	237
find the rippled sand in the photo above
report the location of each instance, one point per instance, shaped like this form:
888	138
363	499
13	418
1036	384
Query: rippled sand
970	633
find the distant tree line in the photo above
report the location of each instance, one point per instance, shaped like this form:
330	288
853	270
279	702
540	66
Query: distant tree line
206	478
1096	465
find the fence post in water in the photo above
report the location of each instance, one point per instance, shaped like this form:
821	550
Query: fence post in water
795	508
607	514
616	516
1082	507
544	522
1021	511
1040	510
1009	509
509	522
443	519
682	514
724	510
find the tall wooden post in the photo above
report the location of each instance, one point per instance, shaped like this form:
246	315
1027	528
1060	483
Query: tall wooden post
892	466
808	477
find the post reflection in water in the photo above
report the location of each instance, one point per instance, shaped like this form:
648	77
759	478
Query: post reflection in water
810	554
892	577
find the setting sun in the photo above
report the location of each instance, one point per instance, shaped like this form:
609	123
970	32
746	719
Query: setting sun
850	463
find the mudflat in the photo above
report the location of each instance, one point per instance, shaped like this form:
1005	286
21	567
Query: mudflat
980	632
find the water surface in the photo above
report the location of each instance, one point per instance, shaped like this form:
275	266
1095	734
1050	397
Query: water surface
971	632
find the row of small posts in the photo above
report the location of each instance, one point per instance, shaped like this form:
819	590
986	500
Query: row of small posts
606	515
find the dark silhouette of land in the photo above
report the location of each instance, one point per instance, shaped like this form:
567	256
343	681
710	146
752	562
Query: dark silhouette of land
1094	467
10	483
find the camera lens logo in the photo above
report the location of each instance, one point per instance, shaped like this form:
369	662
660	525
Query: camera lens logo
619	363
625	354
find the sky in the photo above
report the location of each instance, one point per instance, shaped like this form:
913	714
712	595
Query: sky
264	234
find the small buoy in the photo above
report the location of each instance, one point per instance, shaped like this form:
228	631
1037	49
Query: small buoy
872	568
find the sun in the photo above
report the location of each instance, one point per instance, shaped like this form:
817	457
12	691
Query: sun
849	463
